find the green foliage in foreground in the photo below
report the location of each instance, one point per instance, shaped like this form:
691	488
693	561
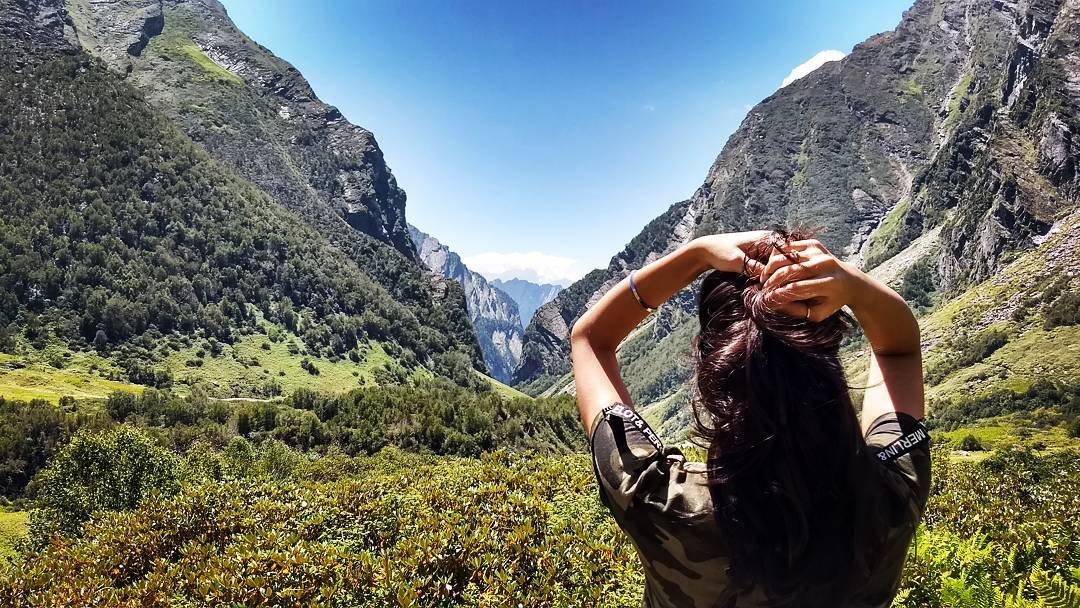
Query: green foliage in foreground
396	529
389	530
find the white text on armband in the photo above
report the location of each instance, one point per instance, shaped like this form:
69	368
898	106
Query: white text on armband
901	446
630	415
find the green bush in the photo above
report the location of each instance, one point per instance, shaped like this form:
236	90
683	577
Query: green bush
30	435
108	471
971	443
968	353
919	284
1064	311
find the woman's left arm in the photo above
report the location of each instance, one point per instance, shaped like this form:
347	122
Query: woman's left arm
597	334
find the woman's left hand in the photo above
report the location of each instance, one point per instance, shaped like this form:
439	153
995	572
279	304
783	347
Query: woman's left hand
805	279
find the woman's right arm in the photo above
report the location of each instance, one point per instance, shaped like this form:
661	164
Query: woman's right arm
819	280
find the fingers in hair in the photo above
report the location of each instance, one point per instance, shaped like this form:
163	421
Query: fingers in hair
776	262
808	244
789	273
807	289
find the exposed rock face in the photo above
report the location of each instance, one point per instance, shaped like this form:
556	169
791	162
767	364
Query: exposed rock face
528	295
494	314
1006	172
117	30
197	71
258	115
951	136
37	23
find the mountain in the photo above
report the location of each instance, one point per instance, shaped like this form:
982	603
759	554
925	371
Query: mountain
528	295
172	217
494	314
940	155
257	115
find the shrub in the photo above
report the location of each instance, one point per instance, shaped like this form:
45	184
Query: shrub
276	460
109	471
971	443
919	283
969	352
1064	311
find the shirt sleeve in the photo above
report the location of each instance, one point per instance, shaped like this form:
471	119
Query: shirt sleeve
900	446
628	459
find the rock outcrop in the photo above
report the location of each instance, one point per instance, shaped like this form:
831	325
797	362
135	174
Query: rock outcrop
37	24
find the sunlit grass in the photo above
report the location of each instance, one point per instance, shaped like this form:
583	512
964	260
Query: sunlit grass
13	527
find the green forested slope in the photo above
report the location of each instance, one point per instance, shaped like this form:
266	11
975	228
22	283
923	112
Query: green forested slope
258	116
118	233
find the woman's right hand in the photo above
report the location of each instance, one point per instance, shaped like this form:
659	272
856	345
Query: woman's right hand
727	252
805	280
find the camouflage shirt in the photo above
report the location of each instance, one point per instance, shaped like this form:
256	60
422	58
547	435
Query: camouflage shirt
663	504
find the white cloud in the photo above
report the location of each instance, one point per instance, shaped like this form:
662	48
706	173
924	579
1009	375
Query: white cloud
812	64
531	266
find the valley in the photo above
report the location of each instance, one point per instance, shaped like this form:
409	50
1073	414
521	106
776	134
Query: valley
232	372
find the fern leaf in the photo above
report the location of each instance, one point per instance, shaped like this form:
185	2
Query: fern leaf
1056	591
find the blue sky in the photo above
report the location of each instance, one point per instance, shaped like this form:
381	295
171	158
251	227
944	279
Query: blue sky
536	139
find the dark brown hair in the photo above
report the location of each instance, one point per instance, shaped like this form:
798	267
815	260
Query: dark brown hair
773	406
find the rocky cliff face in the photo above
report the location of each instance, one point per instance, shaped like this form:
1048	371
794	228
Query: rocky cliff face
494	314
248	107
37	25
945	144
528	295
256	114
1005	174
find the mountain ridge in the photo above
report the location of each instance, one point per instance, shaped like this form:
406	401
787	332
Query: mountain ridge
256	114
528	295
494	313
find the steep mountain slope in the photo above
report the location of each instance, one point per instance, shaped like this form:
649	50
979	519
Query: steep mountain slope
528	295
257	115
494	314
934	154
124	242
545	357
